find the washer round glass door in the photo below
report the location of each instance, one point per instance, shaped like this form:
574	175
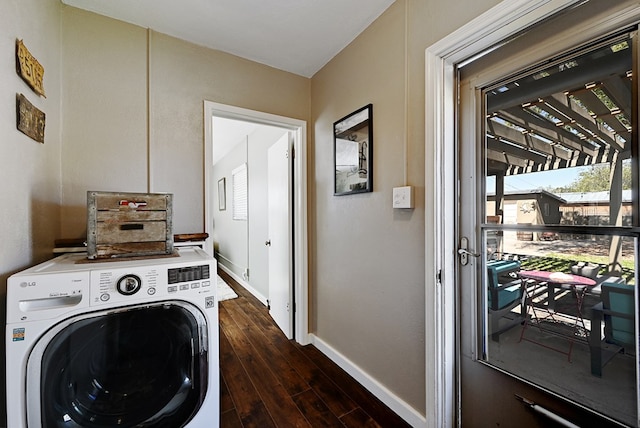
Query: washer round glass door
140	366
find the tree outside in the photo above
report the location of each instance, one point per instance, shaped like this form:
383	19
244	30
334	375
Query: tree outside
596	179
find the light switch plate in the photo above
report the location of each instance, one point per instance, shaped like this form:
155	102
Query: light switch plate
403	197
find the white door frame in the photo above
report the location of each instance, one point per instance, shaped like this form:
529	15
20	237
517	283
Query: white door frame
300	253
485	31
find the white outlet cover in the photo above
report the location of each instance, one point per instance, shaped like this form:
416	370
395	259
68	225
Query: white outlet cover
403	197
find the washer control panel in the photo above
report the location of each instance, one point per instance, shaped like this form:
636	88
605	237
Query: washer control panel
69	284
187	278
139	283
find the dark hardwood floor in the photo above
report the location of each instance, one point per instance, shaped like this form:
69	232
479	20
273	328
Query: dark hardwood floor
269	381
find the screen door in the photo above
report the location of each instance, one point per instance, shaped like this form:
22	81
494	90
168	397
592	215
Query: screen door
548	232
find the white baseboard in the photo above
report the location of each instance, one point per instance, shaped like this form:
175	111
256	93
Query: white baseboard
404	410
244	284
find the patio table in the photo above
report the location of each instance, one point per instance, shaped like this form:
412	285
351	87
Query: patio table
578	285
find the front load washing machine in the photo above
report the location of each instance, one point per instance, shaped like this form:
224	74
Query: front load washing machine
127	343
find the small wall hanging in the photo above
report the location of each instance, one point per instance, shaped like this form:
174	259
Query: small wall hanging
27	67
353	152
30	120
222	194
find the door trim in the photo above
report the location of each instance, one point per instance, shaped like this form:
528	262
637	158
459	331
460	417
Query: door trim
300	245
495	25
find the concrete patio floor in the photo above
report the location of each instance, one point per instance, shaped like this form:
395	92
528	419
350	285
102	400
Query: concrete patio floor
612	394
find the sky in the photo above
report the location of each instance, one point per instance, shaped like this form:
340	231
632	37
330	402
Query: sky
537	180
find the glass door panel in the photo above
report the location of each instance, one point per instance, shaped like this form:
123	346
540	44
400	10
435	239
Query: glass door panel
559	269
546	320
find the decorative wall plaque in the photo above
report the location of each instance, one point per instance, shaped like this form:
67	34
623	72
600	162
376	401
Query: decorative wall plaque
29	68
30	120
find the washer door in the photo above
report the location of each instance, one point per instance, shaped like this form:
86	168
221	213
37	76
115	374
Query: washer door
140	366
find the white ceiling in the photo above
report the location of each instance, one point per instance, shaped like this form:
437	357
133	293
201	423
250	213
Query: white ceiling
299	36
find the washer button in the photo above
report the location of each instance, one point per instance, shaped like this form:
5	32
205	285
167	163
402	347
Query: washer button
105	297
172	289
151	291
195	285
184	287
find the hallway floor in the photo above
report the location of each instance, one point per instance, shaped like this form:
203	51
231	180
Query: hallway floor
269	381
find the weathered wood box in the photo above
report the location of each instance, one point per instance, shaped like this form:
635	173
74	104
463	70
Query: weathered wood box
129	224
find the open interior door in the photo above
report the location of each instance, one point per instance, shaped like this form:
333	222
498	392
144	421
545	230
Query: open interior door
280	235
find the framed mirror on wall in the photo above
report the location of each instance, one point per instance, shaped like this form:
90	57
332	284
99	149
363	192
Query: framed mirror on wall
353	152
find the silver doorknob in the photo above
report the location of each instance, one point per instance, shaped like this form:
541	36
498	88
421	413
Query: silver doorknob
468	253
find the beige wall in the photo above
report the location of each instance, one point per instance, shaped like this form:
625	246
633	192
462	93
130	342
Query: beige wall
104	130
183	76
368	260
368	296
29	171
134	112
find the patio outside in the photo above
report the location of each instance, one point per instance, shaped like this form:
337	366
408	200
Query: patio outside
555	353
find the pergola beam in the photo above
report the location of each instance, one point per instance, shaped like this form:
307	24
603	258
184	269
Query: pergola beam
561	103
526	139
526	119
573	78
595	104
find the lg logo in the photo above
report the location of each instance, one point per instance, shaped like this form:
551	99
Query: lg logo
28	284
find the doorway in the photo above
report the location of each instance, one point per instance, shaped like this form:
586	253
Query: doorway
443	59
298	225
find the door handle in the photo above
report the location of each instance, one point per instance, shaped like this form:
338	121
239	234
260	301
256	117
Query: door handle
468	253
464	252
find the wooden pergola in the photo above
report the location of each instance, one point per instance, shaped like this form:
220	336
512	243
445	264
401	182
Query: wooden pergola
569	114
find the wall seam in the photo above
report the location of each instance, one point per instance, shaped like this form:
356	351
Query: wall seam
60	118
149	139
405	135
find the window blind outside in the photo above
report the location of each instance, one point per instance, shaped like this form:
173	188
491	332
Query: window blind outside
240	192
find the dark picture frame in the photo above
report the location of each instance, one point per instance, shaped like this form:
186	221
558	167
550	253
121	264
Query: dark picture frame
222	194
353	152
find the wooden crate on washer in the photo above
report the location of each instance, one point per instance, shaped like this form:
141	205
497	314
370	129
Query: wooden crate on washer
129	224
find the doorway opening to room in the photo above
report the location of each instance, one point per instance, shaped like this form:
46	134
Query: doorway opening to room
255	172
